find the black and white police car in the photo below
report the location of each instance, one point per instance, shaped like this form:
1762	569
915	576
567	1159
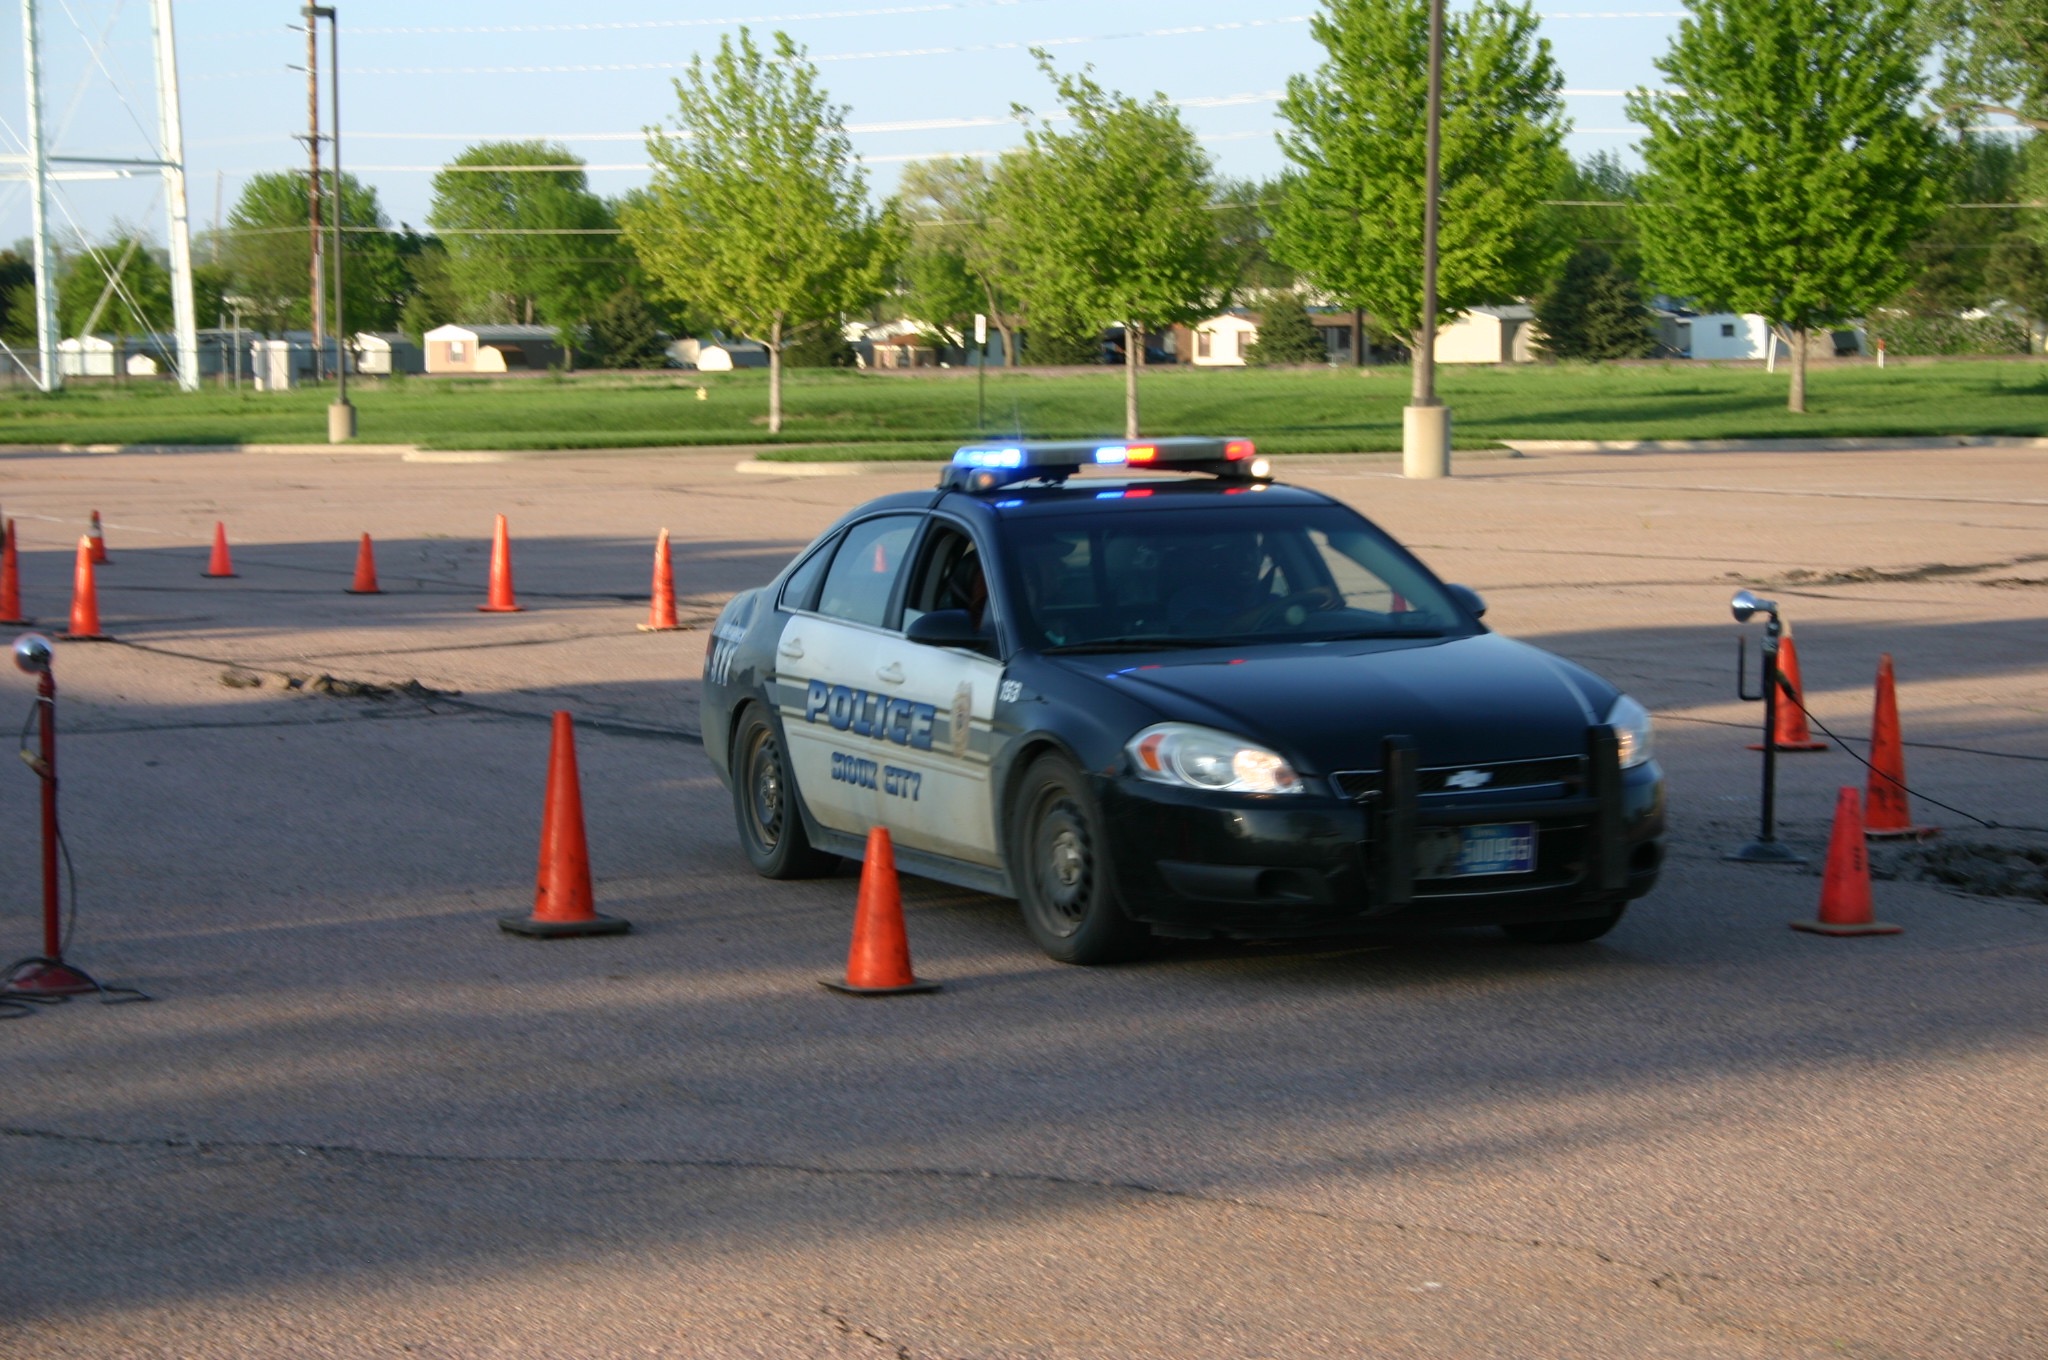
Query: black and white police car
1190	706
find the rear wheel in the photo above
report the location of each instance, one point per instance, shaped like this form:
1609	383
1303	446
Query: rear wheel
764	804
1062	872
1565	932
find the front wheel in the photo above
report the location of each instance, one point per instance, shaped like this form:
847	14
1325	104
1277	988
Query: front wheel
764	804
1062	871
1564	932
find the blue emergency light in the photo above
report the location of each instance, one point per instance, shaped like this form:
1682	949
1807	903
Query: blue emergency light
991	467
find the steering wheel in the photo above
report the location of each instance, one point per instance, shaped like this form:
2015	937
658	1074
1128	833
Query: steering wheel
1293	607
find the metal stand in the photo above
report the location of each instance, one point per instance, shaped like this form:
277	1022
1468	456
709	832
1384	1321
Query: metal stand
46	977
1765	849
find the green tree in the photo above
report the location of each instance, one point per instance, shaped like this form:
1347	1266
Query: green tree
534	246
1351	217
2017	275
1113	219
1787	172
1993	58
17	299
1953	253
266	255
757	213
1286	335
1594	310
627	333
1244	211
119	287
956	254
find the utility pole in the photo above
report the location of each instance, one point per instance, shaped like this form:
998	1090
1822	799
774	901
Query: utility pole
1425	424
313	186
171	132
48	374
341	417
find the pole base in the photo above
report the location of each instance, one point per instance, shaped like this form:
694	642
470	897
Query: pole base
341	422
915	985
1425	441
1859	928
1765	852
534	928
46	977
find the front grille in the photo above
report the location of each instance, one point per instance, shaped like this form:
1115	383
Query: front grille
1570	771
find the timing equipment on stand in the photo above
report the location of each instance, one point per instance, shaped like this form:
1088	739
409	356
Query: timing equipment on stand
1766	848
46	977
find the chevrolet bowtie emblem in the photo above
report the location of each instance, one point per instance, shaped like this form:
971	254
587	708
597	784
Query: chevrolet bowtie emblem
1468	779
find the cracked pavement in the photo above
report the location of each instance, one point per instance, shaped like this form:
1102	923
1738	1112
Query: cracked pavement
359	1120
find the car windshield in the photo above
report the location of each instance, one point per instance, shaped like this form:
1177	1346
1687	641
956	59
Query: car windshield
1161	579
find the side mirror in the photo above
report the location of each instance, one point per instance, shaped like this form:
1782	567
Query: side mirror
1474	602
946	628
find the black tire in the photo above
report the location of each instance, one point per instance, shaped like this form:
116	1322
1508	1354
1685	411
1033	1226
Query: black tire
1062	871
764	804
1565	932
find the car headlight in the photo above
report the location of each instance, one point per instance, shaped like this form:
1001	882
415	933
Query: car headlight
1631	724
1203	758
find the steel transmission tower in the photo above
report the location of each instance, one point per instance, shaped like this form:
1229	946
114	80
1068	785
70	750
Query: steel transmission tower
170	163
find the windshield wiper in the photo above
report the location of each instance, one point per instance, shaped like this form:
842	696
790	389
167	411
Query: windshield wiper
1124	644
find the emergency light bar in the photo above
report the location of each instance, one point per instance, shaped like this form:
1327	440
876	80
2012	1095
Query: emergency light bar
990	467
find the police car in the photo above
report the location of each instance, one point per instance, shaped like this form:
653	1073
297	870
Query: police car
1195	705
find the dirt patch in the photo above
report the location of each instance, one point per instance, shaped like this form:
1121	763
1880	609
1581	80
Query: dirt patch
336	688
2018	871
1926	571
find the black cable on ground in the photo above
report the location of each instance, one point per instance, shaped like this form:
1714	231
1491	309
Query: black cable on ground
1785	687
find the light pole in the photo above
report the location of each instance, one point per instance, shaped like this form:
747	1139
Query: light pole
341	416
1426	422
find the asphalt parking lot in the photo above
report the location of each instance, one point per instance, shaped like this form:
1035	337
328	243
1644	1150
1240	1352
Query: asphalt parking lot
360	1120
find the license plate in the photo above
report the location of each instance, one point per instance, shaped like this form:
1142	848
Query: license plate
1470	851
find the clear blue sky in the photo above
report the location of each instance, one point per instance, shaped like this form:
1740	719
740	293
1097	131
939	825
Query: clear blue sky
919	78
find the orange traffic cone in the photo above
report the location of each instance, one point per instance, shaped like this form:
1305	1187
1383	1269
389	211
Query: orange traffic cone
366	571
1790	732
878	963
1845	888
501	601
220	564
10	579
661	618
85	599
1885	797
97	539
562	897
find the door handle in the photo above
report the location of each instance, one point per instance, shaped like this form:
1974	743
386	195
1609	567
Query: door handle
791	647
890	674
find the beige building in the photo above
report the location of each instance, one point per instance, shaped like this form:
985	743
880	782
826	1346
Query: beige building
1489	335
491	349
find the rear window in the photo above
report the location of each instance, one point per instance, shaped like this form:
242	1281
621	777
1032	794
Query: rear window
1201	577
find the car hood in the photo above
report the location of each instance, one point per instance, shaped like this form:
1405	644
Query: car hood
1468	700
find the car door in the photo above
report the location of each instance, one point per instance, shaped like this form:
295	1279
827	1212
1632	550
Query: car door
936	794
838	710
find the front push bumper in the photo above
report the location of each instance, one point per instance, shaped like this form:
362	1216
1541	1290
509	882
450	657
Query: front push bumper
1190	862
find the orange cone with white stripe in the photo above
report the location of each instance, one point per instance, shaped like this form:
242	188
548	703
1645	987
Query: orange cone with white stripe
97	539
878	962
